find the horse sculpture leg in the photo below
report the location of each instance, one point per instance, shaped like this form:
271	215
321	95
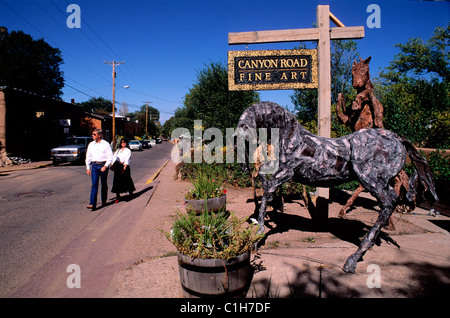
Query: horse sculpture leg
387	199
270	186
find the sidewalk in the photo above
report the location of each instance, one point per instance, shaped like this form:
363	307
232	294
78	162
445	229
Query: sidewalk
288	265
26	166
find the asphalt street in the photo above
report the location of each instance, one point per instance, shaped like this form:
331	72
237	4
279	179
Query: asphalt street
43	210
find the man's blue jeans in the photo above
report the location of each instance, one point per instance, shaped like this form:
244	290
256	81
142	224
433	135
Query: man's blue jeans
96	174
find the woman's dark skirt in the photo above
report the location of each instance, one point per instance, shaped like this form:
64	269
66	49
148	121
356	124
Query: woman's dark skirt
122	181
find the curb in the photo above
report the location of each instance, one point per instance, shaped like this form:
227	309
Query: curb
155	175
19	167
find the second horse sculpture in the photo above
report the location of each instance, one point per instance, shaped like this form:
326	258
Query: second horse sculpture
373	157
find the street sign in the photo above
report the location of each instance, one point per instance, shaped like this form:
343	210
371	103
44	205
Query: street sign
272	69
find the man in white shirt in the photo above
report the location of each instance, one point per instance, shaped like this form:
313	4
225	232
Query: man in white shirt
99	156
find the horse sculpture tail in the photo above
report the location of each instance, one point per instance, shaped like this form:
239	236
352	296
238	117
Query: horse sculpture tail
422	171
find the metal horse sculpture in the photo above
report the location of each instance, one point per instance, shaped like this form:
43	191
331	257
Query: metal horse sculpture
366	112
371	156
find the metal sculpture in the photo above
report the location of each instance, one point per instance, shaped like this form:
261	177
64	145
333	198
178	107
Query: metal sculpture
264	153
371	156
366	112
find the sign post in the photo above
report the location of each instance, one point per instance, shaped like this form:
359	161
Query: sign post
323	34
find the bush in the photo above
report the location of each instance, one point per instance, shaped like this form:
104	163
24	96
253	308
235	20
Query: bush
231	172
212	235
440	165
206	185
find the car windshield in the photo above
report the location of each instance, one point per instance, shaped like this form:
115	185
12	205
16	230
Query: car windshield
134	142
75	141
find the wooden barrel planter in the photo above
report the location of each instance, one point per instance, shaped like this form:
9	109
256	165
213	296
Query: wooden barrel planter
212	204
214	278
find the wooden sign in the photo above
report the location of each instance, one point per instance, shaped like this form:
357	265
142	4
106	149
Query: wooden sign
272	69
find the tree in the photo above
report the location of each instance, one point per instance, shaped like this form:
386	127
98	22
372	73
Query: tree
168	127
210	100
305	101
97	104
419	58
31	65
152	118
416	92
123	110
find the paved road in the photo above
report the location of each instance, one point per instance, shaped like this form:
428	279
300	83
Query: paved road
42	210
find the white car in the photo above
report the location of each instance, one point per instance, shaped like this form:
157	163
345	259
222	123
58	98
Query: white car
135	145
72	149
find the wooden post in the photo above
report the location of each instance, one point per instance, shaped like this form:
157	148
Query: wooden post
324	98
324	60
114	64
146	116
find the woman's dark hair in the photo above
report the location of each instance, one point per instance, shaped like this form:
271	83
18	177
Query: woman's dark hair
126	141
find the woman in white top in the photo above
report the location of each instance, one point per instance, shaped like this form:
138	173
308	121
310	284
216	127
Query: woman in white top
122	174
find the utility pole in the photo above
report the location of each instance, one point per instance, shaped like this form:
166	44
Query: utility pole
146	116
114	64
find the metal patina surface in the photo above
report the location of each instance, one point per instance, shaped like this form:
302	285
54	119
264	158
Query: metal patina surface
373	157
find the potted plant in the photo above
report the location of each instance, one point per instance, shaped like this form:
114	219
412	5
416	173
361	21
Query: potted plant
206	194
213	253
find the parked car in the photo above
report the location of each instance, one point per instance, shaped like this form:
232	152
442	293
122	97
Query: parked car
145	143
153	143
158	140
73	149
135	145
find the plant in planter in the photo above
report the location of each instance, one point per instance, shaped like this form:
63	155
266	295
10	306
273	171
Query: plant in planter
213	253
207	194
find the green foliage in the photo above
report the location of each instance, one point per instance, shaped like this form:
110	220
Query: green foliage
439	165
229	172
206	184
305	101
349	186
31	65
212	235
292	188
415	91
419	110
150	116
418	57
97	104
210	100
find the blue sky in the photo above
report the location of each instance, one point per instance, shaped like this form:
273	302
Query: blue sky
164	43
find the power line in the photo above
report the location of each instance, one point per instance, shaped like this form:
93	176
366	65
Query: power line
77	60
72	33
98	93
103	41
78	90
155	97
50	40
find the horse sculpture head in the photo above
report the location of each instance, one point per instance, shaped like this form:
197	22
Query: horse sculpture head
360	73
